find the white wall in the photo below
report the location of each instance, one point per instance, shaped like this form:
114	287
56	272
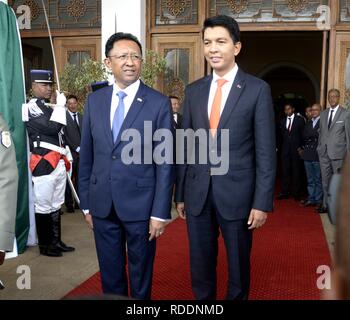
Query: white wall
123	16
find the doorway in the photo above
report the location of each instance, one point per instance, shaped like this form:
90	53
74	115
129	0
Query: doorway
289	61
37	54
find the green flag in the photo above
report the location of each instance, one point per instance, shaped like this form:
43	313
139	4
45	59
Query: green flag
12	95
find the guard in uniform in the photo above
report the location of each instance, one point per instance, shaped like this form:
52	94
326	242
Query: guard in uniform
48	161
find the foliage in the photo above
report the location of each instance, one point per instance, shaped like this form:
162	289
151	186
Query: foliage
153	66
77	79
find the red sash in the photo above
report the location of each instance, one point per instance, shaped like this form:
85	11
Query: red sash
52	157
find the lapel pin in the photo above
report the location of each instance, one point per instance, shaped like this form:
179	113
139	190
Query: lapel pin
239	86
139	99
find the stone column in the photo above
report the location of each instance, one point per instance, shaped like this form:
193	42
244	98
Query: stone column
123	16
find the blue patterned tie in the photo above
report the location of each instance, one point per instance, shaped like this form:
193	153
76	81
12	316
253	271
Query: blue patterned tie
118	115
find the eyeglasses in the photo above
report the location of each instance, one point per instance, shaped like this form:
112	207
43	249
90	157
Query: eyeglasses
125	57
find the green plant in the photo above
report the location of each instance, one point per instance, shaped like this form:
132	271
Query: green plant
77	79
153	66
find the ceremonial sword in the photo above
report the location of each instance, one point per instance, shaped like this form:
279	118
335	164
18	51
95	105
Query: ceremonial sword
74	192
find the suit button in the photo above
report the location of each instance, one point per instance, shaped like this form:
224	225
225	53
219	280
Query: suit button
114	157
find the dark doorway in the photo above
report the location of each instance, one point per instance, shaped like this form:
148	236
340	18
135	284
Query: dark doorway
290	85
290	61
37	54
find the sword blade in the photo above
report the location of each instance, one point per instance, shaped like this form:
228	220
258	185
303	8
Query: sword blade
74	192
52	48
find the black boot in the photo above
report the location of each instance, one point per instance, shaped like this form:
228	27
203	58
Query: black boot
42	222
52	248
60	244
44	231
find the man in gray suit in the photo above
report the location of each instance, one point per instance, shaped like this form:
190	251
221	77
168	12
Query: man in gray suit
8	187
333	142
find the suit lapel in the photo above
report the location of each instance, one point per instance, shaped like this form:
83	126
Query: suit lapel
232	99
336	117
106	100
69	118
80	119
317	124
294	123
134	110
203	100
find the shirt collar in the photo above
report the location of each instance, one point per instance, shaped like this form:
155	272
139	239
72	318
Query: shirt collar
229	76
130	90
292	116
335	109
315	119
72	113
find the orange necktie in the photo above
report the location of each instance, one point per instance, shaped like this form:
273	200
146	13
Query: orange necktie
215	109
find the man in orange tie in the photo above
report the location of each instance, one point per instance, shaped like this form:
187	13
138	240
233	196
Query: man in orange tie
237	202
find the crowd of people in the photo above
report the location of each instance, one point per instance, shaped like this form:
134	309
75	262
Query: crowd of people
316	145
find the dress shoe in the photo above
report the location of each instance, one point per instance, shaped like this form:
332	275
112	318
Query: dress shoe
322	210
62	247
50	251
282	196
307	204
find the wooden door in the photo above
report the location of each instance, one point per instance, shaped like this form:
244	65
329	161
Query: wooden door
185	62
75	50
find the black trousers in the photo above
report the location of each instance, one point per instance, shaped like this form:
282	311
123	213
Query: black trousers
203	233
293	174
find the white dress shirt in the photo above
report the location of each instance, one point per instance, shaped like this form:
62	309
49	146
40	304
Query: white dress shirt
291	123
128	100
314	121
72	115
334	112
226	88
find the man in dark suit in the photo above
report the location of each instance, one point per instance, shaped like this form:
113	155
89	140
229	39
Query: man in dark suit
72	135
333	142
175	105
291	131
310	157
235	202
125	203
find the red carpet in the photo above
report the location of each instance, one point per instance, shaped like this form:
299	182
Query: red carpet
286	253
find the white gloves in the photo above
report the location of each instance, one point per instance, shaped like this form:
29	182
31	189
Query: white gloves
60	99
59	112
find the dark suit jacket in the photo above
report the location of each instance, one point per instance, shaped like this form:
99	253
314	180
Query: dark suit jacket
137	191
72	134
178	124
310	136
292	140
249	182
